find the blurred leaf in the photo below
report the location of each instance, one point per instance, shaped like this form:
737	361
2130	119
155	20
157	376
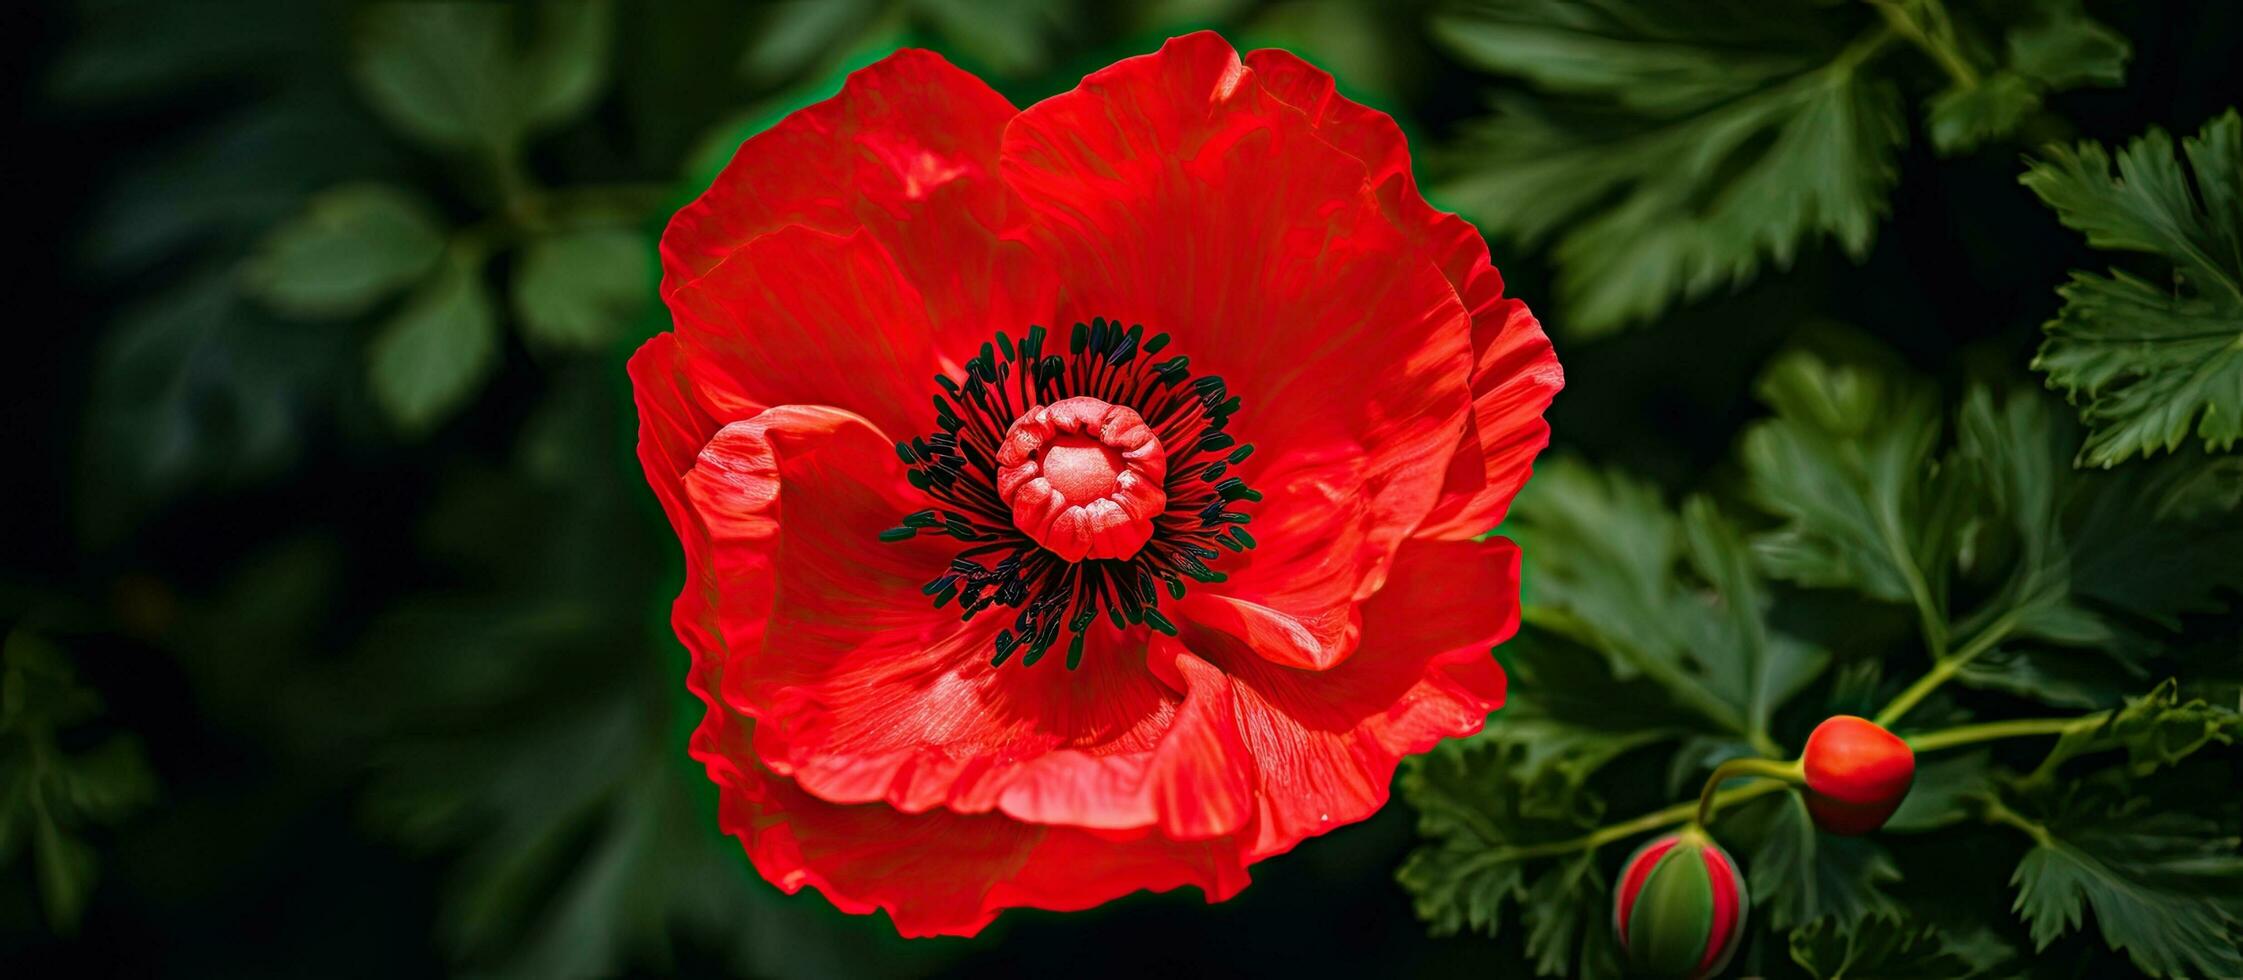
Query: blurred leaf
350	247
451	74
435	354
1886	950
129	49
1353	41
1618	573
2157	730
2046	46
794	34
190	388
50	792
2166	886
1680	147
581	289
1800	876
1012	37
1963	118
1473	815
2145	362
230	182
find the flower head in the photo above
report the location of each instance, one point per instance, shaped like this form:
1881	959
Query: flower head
1176	375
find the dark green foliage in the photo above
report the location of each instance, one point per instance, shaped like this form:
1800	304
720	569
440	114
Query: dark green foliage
2150	360
339	512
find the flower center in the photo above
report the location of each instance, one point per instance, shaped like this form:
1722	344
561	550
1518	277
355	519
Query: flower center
1082	482
1084	478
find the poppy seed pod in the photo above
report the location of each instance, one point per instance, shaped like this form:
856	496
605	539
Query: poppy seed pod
1857	774
1681	906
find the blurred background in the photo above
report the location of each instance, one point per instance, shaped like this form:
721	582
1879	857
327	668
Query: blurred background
336	606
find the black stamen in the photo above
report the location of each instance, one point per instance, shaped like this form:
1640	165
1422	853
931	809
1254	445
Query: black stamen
1001	565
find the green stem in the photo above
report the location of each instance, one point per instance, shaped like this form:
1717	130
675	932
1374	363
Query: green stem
1934	39
1944	668
1777	776
1650	821
1997	812
2018	728
1789	773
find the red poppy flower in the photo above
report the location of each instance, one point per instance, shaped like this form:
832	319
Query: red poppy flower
1080	499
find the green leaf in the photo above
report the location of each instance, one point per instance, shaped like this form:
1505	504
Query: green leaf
350	247
433	356
50	792
1963	118
794	34
1945	792
2157	730
2092	564
2166	886
2150	362
1800	876
1680	148
582	289
452	76
1473	813
1616	571
193	388
1569	716
1851	465
1888	950
2046	46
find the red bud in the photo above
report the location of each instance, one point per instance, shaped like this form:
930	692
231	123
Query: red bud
1680	908
1857	774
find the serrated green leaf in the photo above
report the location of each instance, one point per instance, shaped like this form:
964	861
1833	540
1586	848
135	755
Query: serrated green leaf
1569	716
1799	876
437	351
2148	363
1683	148
1615	571
1888	950
581	289
452	76
2156	730
1471	811
2091	564
1851	464
1568	918
2166	886
2061	47
350	247
1963	118
2046	46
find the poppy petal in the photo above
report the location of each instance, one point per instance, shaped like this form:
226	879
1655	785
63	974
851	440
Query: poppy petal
1176	191
1515	372
866	692
1326	743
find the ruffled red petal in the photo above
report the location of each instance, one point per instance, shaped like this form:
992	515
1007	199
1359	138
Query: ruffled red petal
1325	744
1515	373
941	873
1178	192
863	743
908	152
867	693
